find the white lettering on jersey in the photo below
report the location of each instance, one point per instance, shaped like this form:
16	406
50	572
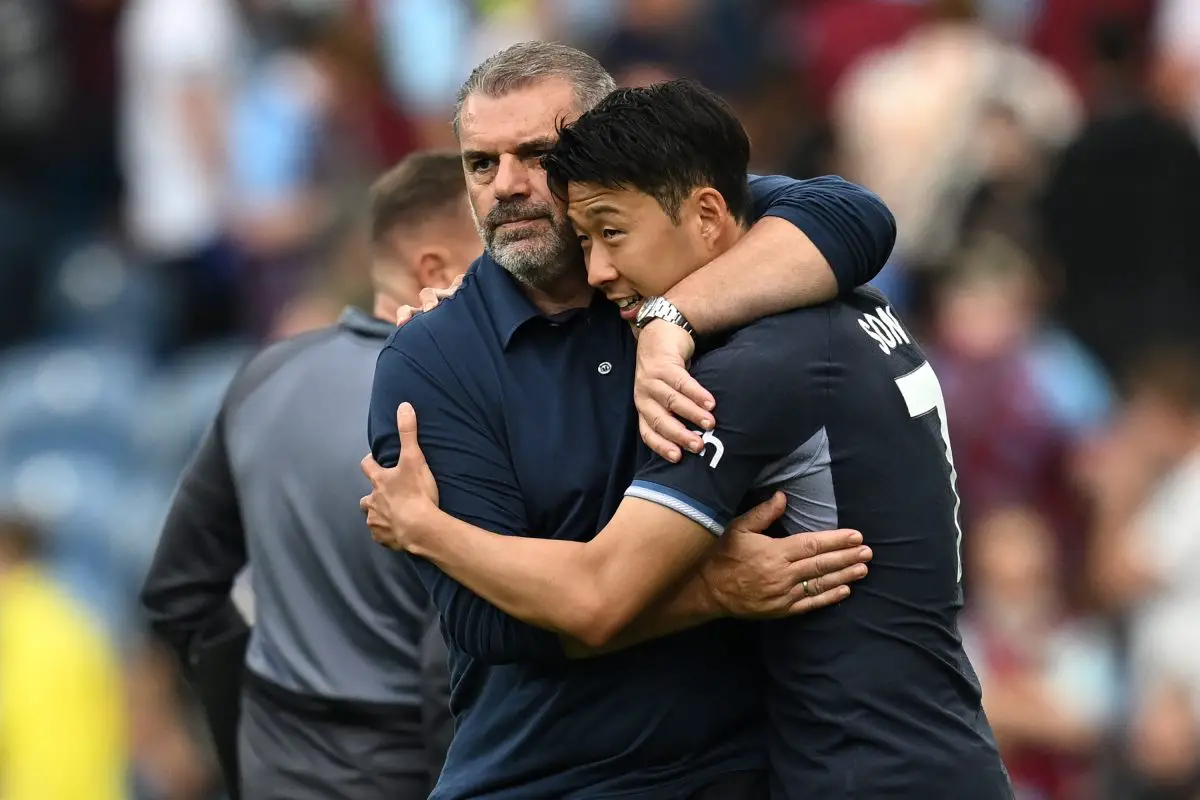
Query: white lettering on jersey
718	448
884	328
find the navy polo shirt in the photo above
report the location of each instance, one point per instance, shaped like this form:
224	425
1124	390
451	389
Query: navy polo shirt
528	424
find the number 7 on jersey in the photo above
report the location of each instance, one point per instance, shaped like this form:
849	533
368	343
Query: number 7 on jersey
923	395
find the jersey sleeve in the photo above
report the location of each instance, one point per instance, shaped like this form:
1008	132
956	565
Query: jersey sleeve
476	484
851	226
768	381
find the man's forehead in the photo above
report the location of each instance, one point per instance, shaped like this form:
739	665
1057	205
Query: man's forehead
591	200
529	113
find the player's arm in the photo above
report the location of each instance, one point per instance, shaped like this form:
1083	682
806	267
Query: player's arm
477	486
812	239
592	591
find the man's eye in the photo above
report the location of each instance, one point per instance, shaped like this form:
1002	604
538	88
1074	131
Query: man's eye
480	165
609	233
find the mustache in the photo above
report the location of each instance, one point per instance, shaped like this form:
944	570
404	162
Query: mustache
516	212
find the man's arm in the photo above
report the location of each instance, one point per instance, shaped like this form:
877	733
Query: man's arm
811	240
592	591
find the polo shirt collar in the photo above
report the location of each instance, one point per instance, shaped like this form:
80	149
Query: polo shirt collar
508	306
360	322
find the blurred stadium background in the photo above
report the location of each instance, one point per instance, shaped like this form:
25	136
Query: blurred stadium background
183	179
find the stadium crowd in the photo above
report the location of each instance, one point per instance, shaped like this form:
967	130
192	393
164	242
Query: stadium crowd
183	179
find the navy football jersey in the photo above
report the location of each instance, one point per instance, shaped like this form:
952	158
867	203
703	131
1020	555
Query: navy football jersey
837	407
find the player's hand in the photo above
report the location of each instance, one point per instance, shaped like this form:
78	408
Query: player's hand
404	498
760	577
664	391
430	298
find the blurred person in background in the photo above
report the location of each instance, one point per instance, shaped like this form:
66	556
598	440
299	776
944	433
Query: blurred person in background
914	122
1177	60
429	45
1144	480
302	147
1049	679
62	721
1022	396
181	63
332	695
168	760
1120	212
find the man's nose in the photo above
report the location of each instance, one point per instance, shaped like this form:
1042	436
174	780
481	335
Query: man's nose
600	268
512	178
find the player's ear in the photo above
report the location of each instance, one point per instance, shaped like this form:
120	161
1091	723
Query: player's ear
711	212
433	269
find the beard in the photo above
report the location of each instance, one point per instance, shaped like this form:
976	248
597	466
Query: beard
538	255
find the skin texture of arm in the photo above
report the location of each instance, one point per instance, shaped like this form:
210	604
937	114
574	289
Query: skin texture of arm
588	591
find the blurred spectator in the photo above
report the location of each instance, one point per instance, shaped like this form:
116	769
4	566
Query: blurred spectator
181	61
1145	483
1120	216
301	148
61	710
167	762
916	123
430	45
1060	31
1049	680
1178	60
33	101
1021	396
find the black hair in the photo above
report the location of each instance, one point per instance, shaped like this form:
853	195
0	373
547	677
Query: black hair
665	140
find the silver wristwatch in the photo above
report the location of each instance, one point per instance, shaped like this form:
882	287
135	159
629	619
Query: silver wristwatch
662	308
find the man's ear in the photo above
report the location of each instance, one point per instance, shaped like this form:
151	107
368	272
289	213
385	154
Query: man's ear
711	212
432	267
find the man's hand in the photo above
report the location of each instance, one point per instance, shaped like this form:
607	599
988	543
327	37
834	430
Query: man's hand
430	298
403	499
663	389
759	577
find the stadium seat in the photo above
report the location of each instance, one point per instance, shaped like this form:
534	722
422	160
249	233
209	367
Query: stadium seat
96	294
180	404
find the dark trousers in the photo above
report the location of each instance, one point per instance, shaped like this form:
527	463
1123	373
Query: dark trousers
738	786
290	754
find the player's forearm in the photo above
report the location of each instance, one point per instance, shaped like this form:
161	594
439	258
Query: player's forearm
687	607
775	267
528	578
589	591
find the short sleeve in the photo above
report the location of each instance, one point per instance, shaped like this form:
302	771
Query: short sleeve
768	381
851	227
476	484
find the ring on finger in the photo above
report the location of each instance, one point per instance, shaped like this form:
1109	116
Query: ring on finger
805	585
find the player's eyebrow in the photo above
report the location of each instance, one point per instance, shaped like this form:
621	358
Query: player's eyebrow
600	209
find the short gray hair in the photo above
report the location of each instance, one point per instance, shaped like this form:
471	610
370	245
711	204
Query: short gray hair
527	63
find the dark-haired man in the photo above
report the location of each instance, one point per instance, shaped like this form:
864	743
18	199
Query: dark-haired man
333	695
833	412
